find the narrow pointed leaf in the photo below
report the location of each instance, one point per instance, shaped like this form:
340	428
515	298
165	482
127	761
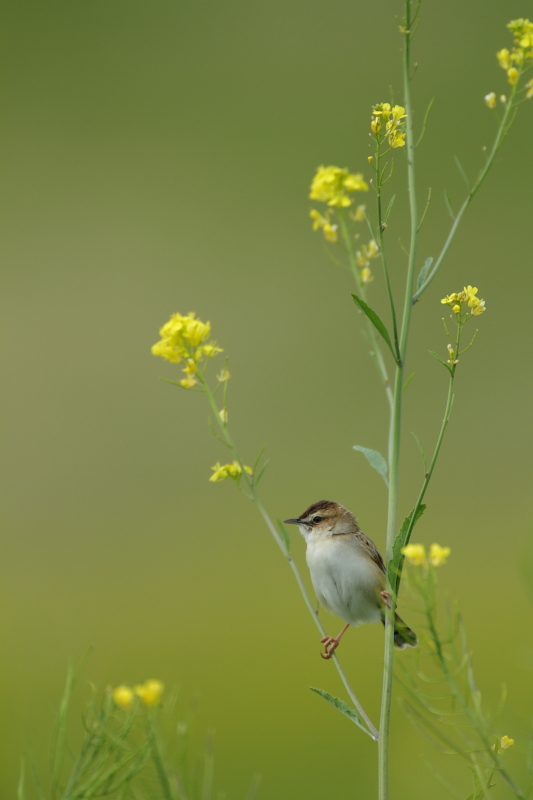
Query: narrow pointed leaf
394	568
423	272
419	443
284	535
375	459
444	364
341	706
376	322
389	207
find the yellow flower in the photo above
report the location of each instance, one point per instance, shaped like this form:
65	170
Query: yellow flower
322	221
223	414
478	310
415	554
223	375
367	251
438	555
123	697
505	743
223	471
397	139
456	309
512	76
529	87
523	32
366	275
189	383
375	125
331	184
359	214
183	339
450	299
150	692
490	100
503	58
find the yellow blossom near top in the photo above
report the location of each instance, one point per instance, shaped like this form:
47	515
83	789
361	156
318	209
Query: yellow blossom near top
523	32
123	697
150	692
183	339
505	742
415	554
393	123
223	471
331	184
438	555
468	296
322	221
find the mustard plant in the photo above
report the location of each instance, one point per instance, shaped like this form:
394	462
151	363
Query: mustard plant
340	219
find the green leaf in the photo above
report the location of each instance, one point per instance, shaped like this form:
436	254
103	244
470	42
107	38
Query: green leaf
284	535
341	706
376	322
408	381
394	567
419	443
444	364
389	207
423	272
375	460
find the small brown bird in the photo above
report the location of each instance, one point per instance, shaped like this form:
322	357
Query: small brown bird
347	571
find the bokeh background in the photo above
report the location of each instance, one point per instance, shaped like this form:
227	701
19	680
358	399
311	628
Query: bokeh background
156	158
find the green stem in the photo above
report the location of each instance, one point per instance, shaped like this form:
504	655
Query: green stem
500	135
370	729
396	419
371	331
382	253
467	710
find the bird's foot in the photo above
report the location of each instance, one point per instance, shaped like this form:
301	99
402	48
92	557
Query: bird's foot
385	596
330	645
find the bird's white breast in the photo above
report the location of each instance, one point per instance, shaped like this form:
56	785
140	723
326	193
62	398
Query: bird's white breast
346	580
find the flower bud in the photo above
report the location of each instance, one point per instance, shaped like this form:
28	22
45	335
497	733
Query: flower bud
512	76
490	100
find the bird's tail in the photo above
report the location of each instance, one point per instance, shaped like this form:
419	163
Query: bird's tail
403	635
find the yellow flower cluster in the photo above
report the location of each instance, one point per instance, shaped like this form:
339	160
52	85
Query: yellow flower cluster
457	300
182	339
363	256
416	554
332	184
149	693
323	221
505	743
392	118
223	471
514	61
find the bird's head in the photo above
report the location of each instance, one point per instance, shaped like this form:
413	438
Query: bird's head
323	519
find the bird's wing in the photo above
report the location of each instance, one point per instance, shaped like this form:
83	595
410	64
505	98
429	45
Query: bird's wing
372	550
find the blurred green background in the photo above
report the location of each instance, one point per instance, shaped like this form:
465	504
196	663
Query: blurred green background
156	158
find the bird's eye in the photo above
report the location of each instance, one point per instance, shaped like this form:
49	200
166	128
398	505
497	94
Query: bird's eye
316	520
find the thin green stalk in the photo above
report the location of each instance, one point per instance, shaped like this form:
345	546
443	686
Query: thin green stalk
371	331
467	710
381	239
396	419
500	135
372	730
166	786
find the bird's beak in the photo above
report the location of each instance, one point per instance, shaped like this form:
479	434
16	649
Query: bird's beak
293	521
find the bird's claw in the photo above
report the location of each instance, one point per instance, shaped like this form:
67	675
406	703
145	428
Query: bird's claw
330	645
385	596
